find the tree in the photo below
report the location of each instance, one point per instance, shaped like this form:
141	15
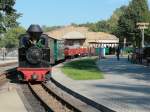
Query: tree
113	21
47	28
11	38
102	26
8	15
110	25
137	11
7	6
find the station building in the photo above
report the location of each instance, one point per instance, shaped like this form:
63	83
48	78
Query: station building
81	36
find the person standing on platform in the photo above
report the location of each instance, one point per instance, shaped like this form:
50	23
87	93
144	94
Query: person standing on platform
4	53
118	53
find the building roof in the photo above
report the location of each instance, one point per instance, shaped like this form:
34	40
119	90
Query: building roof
71	32
74	35
61	32
100	36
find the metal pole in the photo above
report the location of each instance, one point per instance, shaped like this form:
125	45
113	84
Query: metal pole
142	38
124	43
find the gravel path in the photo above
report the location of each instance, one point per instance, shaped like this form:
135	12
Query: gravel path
126	87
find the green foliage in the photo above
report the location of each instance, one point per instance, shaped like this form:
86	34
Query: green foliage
113	21
109	26
47	29
147	36
7	6
9	29
10	39
102	26
74	24
8	15
123	22
137	11
86	24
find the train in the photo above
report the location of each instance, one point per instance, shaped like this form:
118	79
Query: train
38	52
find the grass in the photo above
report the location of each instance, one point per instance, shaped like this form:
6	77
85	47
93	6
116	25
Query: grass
85	69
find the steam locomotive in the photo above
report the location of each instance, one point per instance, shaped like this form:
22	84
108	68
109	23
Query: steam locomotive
34	55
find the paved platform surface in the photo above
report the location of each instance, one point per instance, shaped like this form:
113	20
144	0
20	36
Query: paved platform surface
2	69
8	58
10	101
7	61
126	87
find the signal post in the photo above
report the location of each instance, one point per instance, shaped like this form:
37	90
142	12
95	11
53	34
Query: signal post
142	26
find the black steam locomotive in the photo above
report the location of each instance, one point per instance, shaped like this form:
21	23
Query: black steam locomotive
34	55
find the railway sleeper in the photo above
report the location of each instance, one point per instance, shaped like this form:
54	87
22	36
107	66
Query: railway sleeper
70	101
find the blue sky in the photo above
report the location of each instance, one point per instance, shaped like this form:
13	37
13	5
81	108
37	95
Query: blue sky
64	12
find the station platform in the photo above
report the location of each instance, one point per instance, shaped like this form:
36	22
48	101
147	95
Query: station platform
11	102
125	88
3	66
7	61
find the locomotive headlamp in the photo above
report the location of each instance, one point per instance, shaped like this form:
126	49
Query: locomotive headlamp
34	77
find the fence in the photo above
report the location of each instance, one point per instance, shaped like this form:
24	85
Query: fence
8	53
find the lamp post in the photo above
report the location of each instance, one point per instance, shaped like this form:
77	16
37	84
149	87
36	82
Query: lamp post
142	26
124	43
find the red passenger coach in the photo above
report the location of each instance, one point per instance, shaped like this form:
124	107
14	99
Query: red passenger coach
83	51
70	52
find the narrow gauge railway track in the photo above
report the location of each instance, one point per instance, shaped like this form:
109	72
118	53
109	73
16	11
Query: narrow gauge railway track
3	78
55	97
10	68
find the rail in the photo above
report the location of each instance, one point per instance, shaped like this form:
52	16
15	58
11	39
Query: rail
56	97
4	75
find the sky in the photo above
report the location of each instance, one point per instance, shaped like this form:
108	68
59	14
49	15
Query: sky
65	12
